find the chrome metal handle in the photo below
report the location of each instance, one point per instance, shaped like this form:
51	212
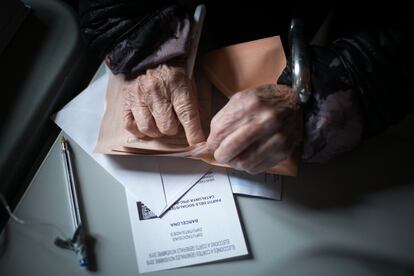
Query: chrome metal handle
299	60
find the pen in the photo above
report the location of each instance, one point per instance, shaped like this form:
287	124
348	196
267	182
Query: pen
196	28
70	180
77	243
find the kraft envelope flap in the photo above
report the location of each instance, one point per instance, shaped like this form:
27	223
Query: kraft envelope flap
245	65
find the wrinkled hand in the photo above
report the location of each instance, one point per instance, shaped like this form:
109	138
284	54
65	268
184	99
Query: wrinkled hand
256	129
158	101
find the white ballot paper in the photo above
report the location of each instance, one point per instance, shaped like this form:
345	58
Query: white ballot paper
203	226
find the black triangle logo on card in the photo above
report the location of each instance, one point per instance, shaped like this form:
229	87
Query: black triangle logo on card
144	212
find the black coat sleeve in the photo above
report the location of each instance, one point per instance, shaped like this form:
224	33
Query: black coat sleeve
105	23
376	49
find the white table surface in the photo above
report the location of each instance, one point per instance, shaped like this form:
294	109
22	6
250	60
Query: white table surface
353	216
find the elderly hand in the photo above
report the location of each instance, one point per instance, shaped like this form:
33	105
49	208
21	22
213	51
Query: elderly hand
256	129
157	101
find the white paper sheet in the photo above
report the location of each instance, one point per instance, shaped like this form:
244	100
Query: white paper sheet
80	120
261	185
203	226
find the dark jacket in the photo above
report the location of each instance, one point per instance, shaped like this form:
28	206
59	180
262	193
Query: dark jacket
372	45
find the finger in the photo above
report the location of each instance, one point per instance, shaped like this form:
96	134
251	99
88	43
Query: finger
222	125
237	142
130	125
236	102
270	148
164	117
156	95
128	118
147	89
145	121
231	117
185	106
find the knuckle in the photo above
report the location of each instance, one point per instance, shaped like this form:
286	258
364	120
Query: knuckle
238	96
214	124
153	83
145	128
180	91
149	84
144	125
160	110
267	120
168	127
270	118
254	103
175	69
186	112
